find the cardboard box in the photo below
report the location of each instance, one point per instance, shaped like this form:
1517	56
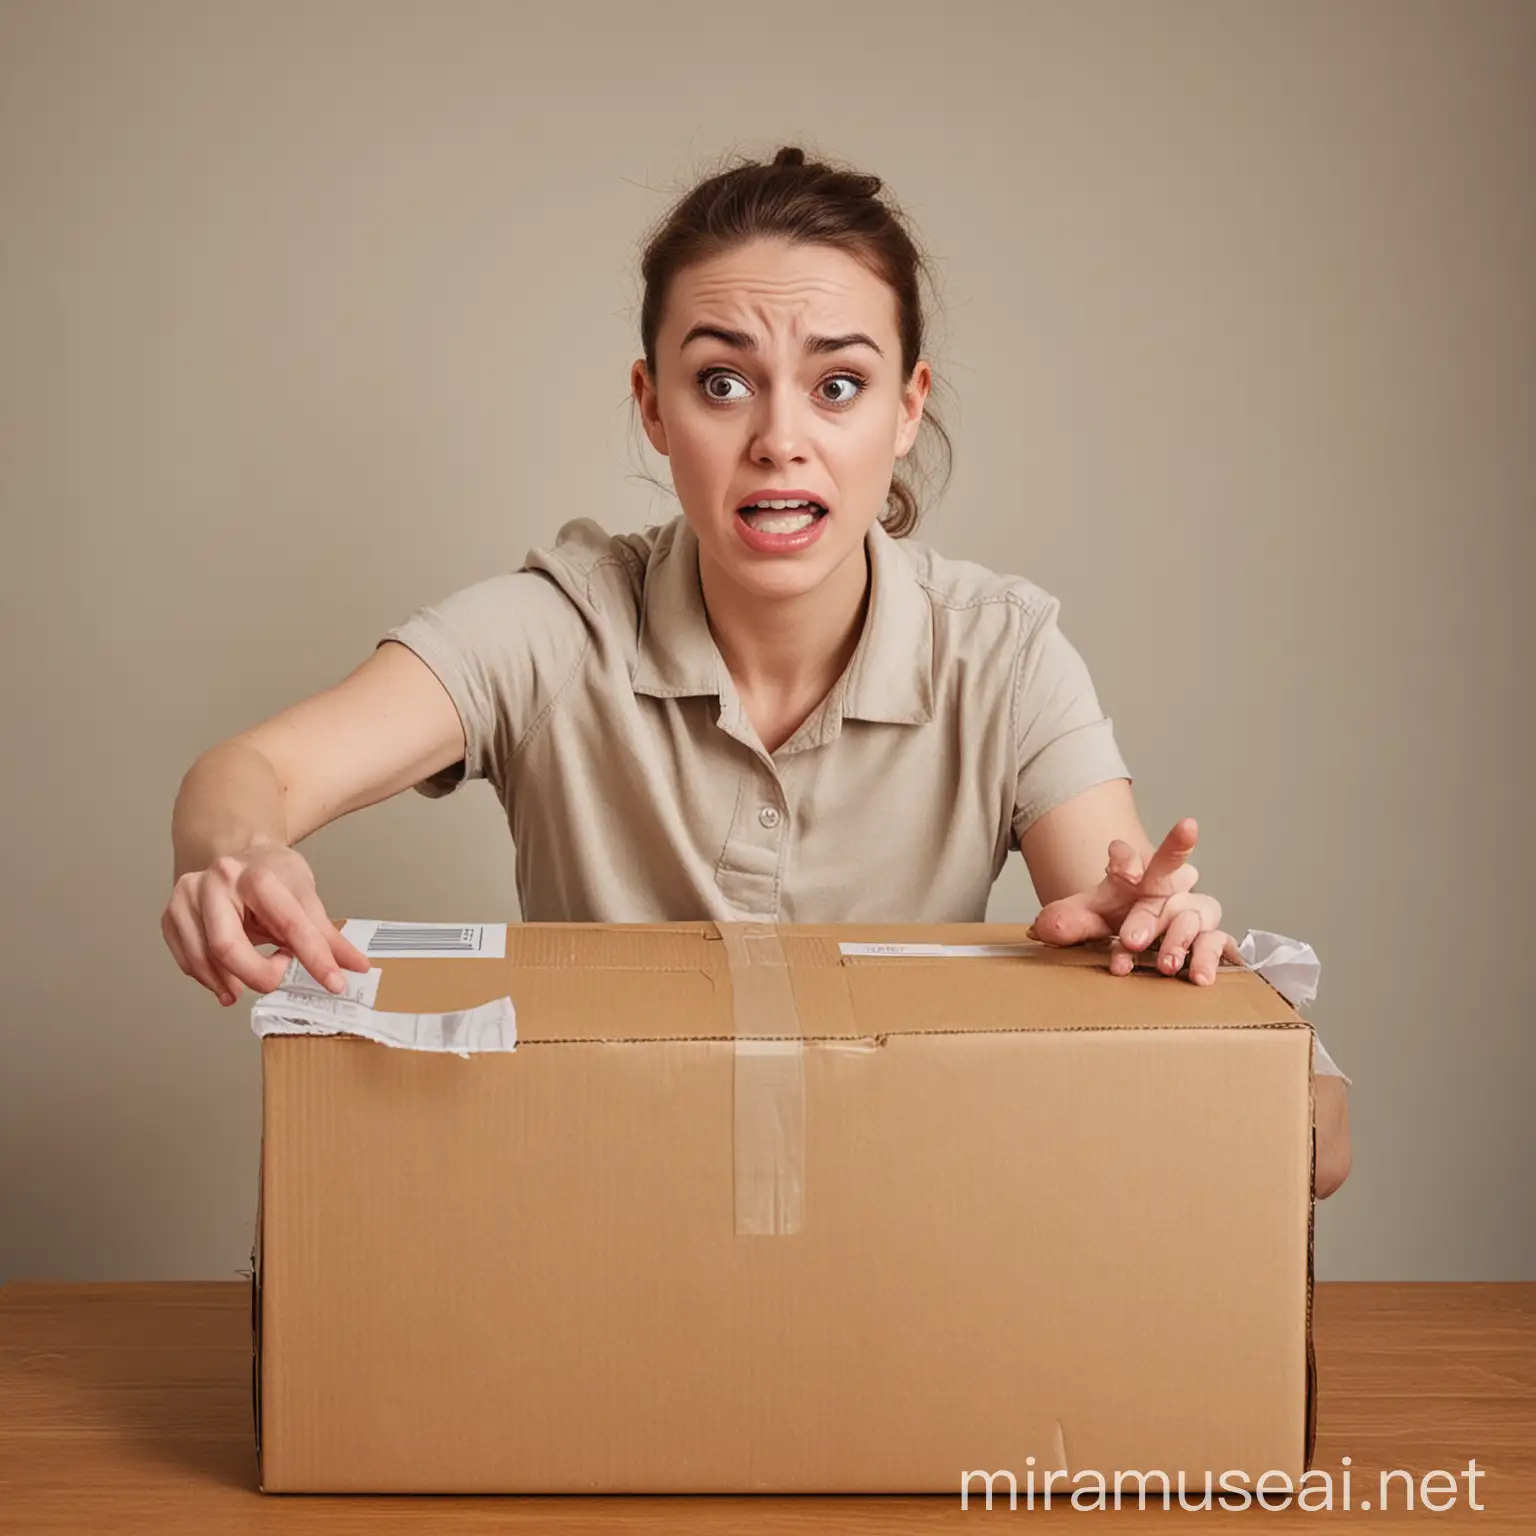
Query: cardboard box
745	1212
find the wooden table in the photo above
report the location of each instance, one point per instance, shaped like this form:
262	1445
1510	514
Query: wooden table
127	1408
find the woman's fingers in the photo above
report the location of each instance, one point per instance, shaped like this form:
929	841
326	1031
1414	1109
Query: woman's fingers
1148	916
228	945
1122	884
343	951
1171	855
1205	956
184	938
1132	905
1125	877
1069	921
1182	932
302	929
1124	863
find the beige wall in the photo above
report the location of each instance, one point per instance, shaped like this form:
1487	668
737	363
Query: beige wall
311	313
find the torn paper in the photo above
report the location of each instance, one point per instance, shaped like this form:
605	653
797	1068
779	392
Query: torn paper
490	1027
358	989
1293	970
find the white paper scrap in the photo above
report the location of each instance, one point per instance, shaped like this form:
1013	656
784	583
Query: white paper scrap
490	1027
383	940
358	989
1294	971
1289	966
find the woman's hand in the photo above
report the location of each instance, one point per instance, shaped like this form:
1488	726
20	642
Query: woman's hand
217	916
1132	905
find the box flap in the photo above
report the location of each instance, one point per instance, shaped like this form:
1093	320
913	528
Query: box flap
672	981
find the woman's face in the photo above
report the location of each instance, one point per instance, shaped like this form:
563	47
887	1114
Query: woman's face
779	370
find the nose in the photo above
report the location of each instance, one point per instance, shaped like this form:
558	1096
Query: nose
778	430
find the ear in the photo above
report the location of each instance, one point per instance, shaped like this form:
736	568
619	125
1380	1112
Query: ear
913	397
645	398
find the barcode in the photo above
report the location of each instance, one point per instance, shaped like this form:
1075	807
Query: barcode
406	938
448	941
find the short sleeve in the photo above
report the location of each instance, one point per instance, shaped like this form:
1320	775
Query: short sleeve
502	649
1065	743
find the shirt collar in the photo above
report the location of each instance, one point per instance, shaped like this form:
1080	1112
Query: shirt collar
677	652
889	677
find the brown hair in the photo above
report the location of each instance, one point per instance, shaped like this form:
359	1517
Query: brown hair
808	203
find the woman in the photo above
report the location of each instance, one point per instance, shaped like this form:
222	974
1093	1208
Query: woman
775	707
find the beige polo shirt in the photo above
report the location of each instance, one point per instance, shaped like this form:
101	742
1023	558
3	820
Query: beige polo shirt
596	703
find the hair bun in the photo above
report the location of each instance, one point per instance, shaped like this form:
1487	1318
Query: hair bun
789	155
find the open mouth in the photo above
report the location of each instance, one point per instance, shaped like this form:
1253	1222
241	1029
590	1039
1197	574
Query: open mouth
781	516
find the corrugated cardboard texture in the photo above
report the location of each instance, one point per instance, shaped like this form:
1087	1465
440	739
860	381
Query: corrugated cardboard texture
1047	1212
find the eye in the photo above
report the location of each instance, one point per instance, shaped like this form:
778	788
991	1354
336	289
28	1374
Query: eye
847	378
709	377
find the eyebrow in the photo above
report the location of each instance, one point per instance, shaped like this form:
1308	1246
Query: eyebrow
744	341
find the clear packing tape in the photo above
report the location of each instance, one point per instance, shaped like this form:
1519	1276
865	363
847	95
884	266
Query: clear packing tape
769	1061
768	1120
1293	970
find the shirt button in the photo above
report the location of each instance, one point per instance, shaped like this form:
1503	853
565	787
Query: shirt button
769	816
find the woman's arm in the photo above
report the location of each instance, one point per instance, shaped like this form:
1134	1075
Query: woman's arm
1066	848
